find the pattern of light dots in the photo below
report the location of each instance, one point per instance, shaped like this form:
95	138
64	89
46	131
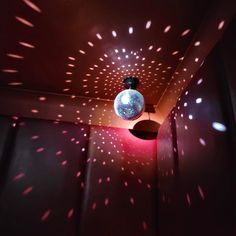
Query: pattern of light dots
66	151
201	137
96	64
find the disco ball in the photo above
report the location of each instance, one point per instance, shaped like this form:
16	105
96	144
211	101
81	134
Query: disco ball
129	104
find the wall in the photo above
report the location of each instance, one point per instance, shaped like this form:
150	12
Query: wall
66	179
198	198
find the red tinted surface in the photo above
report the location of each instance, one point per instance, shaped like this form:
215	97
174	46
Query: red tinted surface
200	198
61	178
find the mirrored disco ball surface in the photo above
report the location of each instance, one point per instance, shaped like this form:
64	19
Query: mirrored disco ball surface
129	104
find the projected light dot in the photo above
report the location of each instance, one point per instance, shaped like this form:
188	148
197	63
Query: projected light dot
198	100
221	25
202	141
131	30
199	81
190	117
219	126
148	24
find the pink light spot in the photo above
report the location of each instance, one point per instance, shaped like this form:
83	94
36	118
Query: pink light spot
9	70
99	180
15	118
94	205
34	137
32	5
40	149
64	132
197	43
175	52
126	184
42	99
34	111
99	36
140	181
167	29
185	32
70	213
45	215
15	83
82	52
106	202
64	163
201	192
27	190
15	56
148	24
58	153
221	25
71	58
26	45
108	179
144	224
188	199
202	141
90	44
19	176
24	21
82	185
78	174
131	200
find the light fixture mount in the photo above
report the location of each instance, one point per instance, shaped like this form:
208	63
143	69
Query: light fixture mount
131	82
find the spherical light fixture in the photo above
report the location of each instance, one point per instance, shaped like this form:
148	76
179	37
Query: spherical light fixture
129	103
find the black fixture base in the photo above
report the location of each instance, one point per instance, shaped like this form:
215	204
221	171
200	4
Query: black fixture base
131	82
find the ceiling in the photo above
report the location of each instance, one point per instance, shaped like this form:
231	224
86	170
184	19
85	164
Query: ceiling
87	47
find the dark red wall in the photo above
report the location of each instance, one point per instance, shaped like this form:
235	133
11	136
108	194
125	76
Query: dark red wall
198	198
67	179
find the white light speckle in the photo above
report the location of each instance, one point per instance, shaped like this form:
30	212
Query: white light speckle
148	24
114	33
198	100
131	30
219	127
199	81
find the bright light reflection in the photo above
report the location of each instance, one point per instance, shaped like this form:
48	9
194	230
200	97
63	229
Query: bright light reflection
219	127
